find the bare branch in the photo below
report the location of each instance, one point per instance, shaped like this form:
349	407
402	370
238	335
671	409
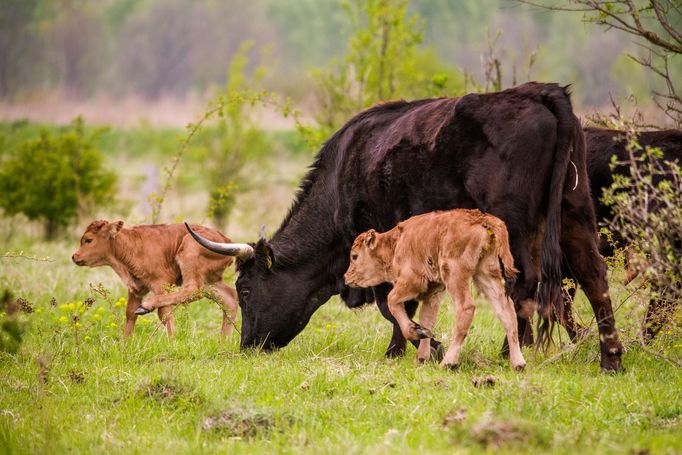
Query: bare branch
21	255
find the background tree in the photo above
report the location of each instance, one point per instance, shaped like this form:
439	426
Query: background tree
237	138
56	178
656	26
385	60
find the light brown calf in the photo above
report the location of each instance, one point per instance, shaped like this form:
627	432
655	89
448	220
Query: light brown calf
152	257
428	253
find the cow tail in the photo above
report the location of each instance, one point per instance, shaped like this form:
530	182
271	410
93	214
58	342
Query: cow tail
550	301
503	253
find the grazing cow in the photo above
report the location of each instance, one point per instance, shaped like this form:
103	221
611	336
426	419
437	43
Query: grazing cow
505	153
437	250
153	257
602	145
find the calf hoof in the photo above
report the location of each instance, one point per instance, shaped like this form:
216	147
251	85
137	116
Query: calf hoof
142	310
520	367
422	333
450	366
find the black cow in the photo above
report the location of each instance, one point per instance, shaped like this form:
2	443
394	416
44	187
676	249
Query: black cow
602	145
505	153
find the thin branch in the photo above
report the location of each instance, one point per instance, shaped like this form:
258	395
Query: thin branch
21	255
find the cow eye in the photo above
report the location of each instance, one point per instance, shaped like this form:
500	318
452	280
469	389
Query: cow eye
86	241
353	256
244	293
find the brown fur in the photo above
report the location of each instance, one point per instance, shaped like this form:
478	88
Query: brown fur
152	257
428	253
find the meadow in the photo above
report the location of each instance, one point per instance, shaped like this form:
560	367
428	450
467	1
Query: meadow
75	385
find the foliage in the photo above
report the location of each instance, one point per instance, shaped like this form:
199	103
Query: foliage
238	138
655	26
56	178
384	60
647	207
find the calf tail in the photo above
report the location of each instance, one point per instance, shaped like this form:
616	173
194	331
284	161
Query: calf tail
503	252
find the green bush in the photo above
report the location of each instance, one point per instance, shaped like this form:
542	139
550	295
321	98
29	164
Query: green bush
55	178
647	208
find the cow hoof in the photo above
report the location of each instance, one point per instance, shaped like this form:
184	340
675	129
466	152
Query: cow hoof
437	351
142	310
394	352
421	360
520	367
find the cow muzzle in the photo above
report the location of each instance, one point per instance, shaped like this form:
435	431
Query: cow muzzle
77	261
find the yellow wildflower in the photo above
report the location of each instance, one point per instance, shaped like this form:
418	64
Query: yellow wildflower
63	320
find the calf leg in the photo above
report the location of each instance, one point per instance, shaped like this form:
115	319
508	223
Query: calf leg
396	346
427	319
489	283
464	308
229	305
185	295
134	301
166	317
400	293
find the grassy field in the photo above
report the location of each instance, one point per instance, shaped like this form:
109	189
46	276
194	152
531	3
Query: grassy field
75	386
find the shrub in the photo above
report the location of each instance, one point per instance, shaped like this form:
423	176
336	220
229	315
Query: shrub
56	178
647	207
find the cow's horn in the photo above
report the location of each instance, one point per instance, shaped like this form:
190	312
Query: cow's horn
240	250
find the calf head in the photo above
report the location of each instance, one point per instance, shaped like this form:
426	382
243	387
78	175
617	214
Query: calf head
368	261
96	243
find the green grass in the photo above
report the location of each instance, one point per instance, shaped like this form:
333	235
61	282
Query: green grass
330	391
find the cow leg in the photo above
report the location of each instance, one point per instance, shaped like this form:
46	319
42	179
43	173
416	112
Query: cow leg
427	319
166	317
568	320
464	308
657	314
579	244
229	305
488	282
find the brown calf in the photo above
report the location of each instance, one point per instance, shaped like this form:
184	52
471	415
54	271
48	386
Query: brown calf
427	253
152	257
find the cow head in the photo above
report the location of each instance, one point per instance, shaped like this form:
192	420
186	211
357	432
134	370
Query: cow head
275	299
367	266
95	245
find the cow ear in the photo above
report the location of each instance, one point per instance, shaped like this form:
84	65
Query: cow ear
371	240
114	228
265	253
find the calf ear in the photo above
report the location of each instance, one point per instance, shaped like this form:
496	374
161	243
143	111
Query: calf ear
371	240
114	228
